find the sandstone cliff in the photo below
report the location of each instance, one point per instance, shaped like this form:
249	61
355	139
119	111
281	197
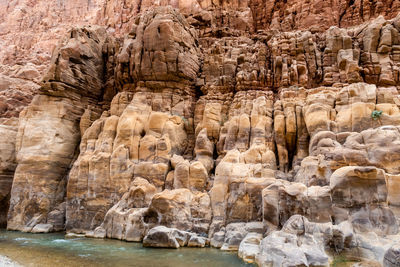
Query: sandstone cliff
266	127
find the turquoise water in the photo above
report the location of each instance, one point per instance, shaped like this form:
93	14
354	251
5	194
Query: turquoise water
55	250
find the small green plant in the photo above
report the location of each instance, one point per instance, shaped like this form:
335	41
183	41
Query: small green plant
340	261
376	114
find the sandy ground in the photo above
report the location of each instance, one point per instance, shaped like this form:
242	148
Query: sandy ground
6	261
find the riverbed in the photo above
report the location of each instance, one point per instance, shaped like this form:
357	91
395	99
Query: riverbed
55	250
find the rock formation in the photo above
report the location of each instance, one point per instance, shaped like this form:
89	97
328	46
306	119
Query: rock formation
8	131
265	127
73	84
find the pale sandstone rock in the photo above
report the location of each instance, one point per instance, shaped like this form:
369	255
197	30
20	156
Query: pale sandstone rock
301	242
142	208
211	120
8	132
314	171
147	127
181	209
197	241
236	191
283	199
165	237
6	261
52	121
204	150
288	248
139	143
45	153
370	245
42	228
392	182
368	181
218	239
346	149
249	247
209	124
365	208
161	236
236	232
125	219
163	49
392	257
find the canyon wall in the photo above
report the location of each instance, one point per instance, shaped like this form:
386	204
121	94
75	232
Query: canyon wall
244	125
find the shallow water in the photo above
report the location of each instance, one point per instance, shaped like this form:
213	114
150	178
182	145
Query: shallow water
55	250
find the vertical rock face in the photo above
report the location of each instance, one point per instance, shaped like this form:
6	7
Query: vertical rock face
146	126
48	131
30	29
198	126
8	131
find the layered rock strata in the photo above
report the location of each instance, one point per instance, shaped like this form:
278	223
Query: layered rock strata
193	130
30	30
48	131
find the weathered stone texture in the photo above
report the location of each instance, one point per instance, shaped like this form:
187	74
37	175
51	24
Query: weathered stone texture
235	124
8	132
48	131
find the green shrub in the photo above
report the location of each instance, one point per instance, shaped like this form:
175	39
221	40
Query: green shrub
341	260
376	114
338	261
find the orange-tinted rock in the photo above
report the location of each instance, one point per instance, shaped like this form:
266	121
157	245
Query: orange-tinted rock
48	131
205	118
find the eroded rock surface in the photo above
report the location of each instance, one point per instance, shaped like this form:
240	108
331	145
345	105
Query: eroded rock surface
8	133
215	124
48	131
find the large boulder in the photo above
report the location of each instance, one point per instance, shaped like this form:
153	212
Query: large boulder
161	237
294	245
250	247
125	219
181	209
283	199
164	237
235	233
392	257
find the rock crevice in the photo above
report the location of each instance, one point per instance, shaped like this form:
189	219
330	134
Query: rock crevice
198	128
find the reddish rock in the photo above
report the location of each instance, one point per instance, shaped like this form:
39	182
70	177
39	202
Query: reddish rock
219	118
